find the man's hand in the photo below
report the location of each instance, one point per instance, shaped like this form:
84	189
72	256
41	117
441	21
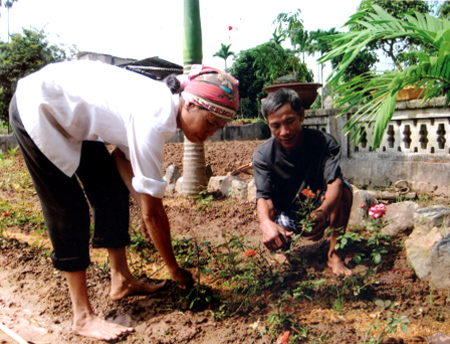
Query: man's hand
183	276
274	236
320	218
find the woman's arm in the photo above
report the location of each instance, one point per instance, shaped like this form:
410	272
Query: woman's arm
155	222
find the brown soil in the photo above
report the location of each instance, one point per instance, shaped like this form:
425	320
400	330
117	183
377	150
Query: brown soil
34	300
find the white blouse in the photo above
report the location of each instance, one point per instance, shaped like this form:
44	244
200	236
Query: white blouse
66	103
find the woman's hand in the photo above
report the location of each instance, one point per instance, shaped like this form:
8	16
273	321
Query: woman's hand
184	277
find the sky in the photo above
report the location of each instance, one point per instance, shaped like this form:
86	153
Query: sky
145	28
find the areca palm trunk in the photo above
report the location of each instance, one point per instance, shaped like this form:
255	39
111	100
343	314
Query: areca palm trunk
194	171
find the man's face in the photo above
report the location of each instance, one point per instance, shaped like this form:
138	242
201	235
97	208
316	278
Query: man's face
286	126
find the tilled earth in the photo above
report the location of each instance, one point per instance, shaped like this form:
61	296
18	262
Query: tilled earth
34	301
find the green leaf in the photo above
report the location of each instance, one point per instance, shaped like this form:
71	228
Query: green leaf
377	258
404	328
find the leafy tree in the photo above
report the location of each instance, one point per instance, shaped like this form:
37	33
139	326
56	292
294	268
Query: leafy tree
260	66
362	63
251	83
224	53
444	11
431	72
25	54
274	61
397	49
290	26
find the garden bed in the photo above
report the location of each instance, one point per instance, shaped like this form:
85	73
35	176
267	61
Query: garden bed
244	296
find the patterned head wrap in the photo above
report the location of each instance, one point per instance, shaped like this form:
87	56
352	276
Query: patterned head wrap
213	90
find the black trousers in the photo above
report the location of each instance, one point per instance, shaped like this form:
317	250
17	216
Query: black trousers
65	200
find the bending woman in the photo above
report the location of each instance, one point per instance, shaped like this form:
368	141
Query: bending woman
62	116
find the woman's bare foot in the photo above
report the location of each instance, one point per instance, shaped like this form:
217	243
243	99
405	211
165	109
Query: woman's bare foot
337	266
94	327
121	287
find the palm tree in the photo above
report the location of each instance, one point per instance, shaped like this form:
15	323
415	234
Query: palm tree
8	5
432	71
224	53
194	171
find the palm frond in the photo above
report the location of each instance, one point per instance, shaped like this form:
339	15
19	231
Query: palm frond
375	92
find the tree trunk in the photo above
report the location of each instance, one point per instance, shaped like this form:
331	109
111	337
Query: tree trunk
194	170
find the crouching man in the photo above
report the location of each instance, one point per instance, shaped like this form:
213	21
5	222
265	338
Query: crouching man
293	160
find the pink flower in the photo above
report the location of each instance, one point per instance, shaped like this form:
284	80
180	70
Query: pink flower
362	205
377	211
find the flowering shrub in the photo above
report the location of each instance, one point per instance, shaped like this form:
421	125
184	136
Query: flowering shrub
305	207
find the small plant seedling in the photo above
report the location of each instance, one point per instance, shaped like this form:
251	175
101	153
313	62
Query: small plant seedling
12	151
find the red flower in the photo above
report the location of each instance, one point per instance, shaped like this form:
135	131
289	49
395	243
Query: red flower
5	214
284	338
308	193
250	253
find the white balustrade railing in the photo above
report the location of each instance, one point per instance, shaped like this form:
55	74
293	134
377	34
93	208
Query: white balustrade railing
414	128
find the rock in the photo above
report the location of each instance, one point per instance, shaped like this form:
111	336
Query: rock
228	186
440	264
179	185
418	249
400	217
358	214
172	174
430	217
431	225
215	184
209	172
234	187
251	191
171	177
423	187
